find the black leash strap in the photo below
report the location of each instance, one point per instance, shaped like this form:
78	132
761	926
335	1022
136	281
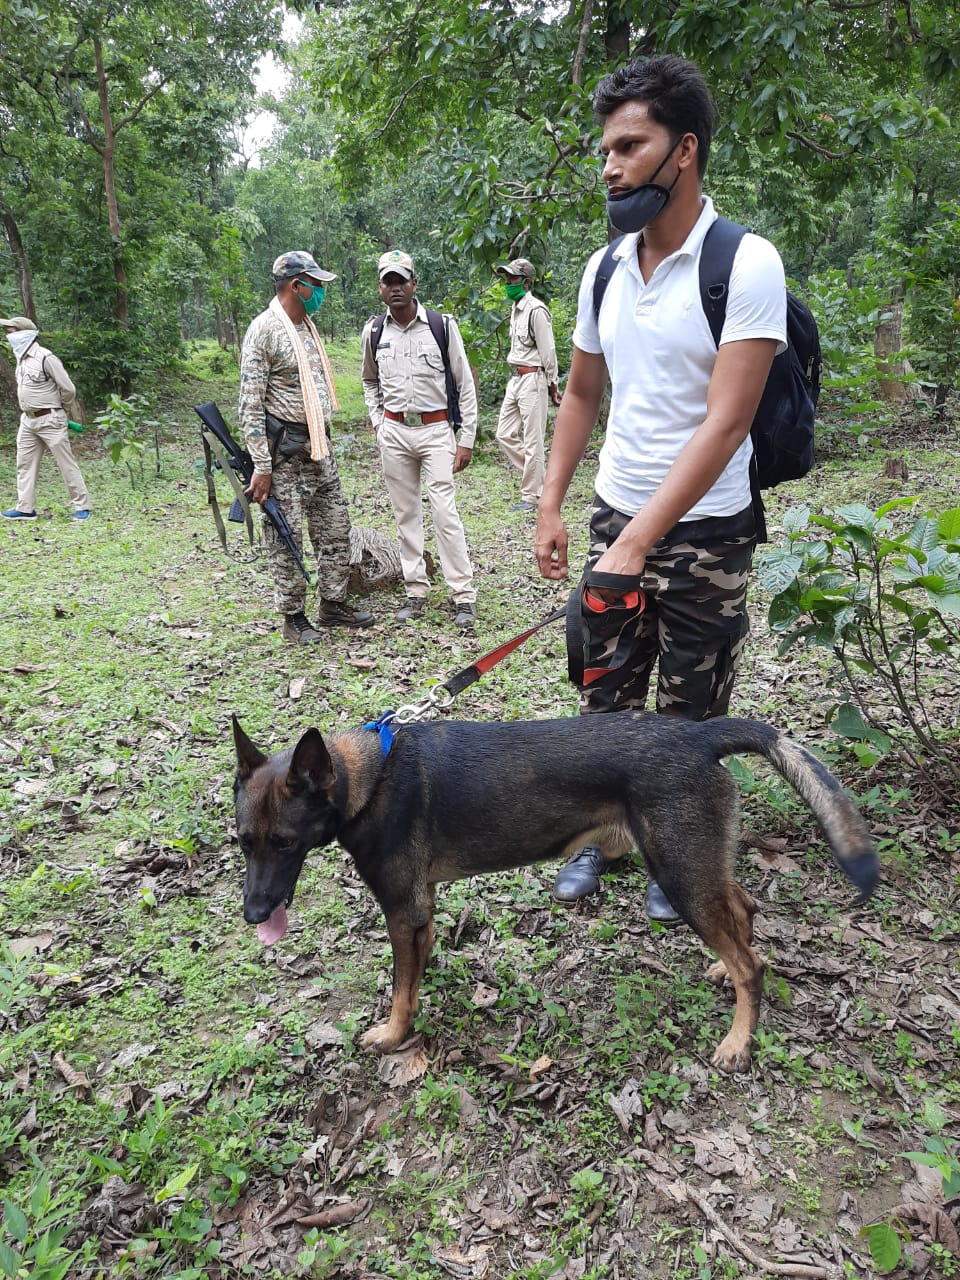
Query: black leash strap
469	675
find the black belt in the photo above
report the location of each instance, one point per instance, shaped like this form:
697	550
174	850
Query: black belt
39	413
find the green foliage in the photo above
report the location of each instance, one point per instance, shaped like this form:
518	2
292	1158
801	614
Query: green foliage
125	432
885	600
34	1232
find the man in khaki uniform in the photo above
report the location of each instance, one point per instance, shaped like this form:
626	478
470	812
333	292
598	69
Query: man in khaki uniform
46	395
405	389
286	399
533	359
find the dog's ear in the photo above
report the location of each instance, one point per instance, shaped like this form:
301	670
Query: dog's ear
249	757
311	768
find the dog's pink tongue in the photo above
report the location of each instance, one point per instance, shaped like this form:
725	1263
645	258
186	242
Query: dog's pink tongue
272	930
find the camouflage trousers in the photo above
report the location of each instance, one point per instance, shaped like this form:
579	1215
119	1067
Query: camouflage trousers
309	491
694	624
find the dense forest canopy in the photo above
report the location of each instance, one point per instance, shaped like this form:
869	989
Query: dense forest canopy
133	223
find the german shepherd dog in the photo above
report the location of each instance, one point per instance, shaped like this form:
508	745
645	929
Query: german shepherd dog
454	799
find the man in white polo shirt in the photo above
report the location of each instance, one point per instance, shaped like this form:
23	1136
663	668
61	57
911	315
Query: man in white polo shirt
672	513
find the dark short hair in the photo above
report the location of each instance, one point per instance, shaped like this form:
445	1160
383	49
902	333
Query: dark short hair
675	92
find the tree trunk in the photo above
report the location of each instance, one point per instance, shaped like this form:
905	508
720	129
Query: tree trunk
887	347
108	156
8	380
616	38
19	254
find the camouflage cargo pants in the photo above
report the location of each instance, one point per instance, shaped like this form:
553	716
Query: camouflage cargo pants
695	623
309	491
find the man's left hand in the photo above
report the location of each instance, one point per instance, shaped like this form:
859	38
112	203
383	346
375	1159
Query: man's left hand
462	459
554	394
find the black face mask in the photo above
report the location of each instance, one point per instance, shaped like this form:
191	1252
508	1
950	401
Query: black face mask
637	208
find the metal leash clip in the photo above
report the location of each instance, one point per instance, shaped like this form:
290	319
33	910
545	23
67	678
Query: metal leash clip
433	701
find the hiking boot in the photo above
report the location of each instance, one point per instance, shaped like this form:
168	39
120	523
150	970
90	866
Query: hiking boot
580	876
19	515
465	615
412	610
658	906
337	613
298	630
524	505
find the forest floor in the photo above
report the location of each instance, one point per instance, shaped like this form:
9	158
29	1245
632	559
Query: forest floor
178	1101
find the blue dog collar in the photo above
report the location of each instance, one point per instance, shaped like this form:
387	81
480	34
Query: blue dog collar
384	729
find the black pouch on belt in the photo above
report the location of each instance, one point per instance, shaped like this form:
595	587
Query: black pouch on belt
599	633
287	439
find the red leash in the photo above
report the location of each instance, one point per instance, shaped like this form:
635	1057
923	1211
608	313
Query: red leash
469	675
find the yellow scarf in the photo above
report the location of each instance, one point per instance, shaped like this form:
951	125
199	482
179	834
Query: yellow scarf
311	399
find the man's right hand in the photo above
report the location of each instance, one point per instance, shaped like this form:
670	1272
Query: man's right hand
550	546
259	489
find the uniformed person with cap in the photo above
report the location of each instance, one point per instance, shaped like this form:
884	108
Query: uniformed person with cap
405	389
533	360
286	400
46	395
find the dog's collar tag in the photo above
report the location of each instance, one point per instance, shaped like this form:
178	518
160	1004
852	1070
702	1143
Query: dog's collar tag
384	729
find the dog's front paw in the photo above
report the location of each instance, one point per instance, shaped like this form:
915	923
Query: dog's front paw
717	972
382	1038
732	1054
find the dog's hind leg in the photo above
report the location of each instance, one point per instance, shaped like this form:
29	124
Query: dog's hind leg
411	937
726	925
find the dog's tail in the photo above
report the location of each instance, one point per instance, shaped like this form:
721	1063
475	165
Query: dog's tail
838	816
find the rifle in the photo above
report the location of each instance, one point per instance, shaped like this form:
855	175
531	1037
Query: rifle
233	459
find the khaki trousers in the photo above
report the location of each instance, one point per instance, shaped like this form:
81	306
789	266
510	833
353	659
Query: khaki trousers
521	429
35	437
412	454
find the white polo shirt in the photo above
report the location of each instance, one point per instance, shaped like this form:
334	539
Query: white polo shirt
660	355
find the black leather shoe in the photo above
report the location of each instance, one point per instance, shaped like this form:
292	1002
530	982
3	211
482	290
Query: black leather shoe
658	906
580	876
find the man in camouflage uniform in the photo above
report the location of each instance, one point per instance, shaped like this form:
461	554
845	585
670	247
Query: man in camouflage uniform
672	516
532	358
272	416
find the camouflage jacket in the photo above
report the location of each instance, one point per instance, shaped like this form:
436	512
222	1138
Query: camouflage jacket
270	383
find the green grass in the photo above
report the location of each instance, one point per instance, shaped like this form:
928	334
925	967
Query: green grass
220	1078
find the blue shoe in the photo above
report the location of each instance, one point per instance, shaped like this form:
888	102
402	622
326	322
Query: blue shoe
81	515
19	515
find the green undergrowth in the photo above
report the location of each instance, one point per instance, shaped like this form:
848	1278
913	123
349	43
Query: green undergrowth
151	1046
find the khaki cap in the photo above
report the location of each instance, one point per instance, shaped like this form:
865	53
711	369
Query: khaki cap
398	261
19	322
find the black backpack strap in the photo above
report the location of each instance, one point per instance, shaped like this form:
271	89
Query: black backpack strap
605	270
376	332
439	327
720	246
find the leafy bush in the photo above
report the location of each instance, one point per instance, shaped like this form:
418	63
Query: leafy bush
887	603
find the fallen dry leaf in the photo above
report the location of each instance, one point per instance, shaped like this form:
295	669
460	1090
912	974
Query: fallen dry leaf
338	1215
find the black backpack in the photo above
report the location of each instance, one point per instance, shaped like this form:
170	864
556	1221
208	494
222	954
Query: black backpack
782	430
438	327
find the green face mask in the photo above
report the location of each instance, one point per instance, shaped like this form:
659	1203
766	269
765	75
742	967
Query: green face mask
514	291
311	305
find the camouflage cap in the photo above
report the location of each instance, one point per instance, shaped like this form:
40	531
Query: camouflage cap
297	262
519	267
398	261
18	322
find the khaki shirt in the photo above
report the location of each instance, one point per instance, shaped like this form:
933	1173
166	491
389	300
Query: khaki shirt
531	336
43	382
270	383
407	376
